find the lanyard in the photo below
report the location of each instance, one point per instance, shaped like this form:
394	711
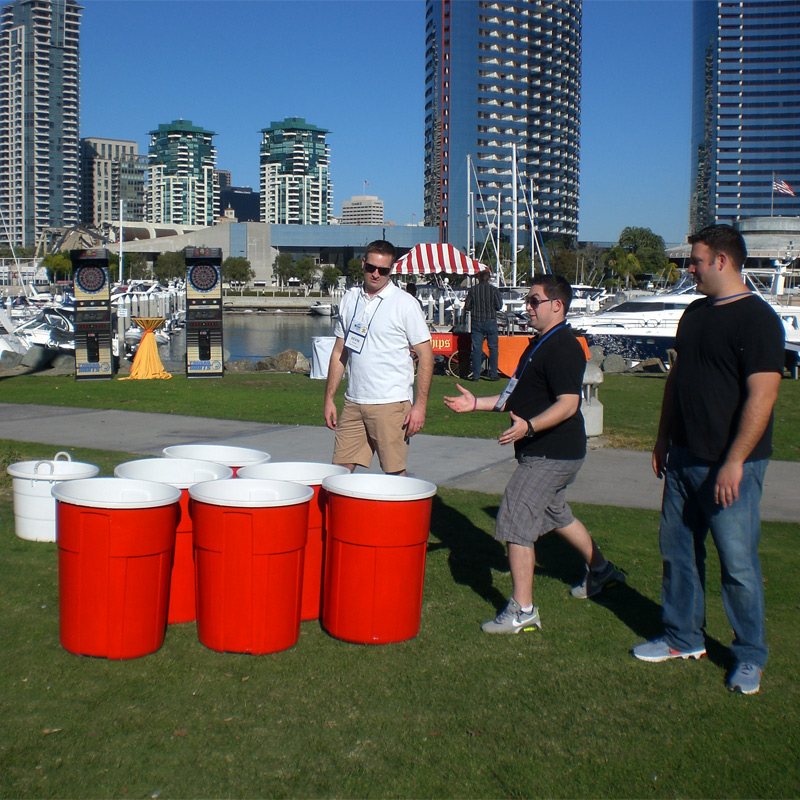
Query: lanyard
512	383
714	301
358	328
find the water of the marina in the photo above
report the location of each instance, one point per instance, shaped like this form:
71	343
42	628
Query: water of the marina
255	336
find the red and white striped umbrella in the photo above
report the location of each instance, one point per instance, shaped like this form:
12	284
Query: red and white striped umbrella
427	259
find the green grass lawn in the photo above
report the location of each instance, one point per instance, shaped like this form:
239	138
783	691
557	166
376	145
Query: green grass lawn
565	712
631	403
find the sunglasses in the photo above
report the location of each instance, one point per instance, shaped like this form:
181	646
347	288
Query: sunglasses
535	302
381	270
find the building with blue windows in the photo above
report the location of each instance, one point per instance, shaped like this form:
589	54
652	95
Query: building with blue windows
745	111
39	105
182	185
295	183
500	74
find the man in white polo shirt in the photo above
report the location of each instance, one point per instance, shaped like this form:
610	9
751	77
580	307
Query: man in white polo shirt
378	323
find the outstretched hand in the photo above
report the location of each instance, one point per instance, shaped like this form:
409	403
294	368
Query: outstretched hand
464	402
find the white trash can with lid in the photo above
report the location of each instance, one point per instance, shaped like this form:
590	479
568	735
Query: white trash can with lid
34	504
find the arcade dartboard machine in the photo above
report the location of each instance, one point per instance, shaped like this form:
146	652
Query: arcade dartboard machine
203	312
93	333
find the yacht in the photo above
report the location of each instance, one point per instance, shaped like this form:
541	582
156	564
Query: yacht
638	328
645	326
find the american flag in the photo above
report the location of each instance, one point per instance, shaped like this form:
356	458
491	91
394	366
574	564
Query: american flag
782	187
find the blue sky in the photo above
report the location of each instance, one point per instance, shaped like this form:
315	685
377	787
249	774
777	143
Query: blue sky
355	67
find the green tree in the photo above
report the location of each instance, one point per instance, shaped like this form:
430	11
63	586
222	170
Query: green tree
648	247
625	265
134	266
330	277
283	267
304	271
170	265
237	270
59	266
355	272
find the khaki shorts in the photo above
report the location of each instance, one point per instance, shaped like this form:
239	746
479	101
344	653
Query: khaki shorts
363	430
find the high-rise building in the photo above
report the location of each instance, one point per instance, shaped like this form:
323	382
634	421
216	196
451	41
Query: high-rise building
499	74
295	182
111	171
745	110
39	105
362	210
182	186
244	202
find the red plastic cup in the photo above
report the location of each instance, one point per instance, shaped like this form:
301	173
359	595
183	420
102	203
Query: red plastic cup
249	540
227	455
375	561
115	544
308	473
180	473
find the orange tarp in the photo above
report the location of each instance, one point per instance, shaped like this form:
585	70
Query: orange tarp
147	363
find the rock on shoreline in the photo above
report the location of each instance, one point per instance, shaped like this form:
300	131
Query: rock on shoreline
12	364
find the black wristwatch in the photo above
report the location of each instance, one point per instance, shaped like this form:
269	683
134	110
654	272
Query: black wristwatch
531	431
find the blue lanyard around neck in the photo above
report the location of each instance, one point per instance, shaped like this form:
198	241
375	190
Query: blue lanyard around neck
712	301
538	344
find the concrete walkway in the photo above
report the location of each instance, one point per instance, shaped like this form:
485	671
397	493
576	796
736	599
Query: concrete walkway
611	477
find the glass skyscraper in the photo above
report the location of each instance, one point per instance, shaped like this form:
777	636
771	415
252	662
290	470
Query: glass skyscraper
499	74
39	106
182	187
295	182
745	110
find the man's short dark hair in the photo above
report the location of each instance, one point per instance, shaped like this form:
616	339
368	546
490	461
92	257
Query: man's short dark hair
556	287
722	239
483	275
382	248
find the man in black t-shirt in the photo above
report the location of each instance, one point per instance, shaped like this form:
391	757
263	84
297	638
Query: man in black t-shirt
714	439
543	399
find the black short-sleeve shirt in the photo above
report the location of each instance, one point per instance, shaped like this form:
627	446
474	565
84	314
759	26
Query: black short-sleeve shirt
556	368
719	347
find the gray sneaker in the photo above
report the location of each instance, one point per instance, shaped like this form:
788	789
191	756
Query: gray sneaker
746	678
512	619
594	582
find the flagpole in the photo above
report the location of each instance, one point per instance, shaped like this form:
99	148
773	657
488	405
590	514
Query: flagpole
772	201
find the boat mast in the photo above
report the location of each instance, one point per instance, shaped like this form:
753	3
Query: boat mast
470	230
497	244
514	213
120	242
533	230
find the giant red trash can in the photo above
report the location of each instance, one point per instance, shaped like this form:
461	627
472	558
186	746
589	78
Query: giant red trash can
180	473
115	542
249	538
375	560
308	473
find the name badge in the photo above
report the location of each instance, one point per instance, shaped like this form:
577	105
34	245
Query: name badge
510	386
356	337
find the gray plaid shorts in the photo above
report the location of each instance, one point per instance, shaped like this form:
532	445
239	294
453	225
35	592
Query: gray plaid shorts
533	503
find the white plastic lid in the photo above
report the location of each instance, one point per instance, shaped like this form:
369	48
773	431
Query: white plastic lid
379	487
52	470
178	472
309	473
225	454
250	493
116	493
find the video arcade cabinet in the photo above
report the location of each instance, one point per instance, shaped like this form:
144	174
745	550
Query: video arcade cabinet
94	358
203	312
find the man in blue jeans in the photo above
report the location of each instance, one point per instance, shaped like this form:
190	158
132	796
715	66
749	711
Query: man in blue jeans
483	302
714	439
